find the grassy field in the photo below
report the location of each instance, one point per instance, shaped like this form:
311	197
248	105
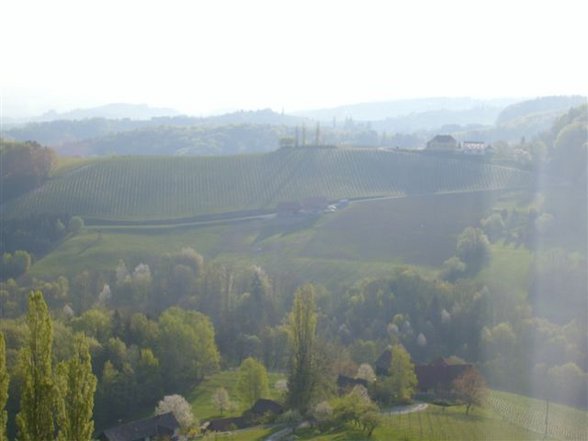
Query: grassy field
201	400
436	424
508	272
432	424
148	188
102	250
201	397
504	417
253	434
231	247
418	230
564	422
367	239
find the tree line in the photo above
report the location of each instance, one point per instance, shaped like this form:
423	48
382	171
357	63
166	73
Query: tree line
25	166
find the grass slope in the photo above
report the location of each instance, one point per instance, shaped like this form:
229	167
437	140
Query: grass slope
147	188
418	229
564	422
366	239
201	397
437	424
505	417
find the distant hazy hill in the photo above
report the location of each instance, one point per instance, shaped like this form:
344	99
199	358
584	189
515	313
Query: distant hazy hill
260	130
181	141
526	119
112	111
60	132
540	106
440	120
141	188
101	135
375	111
263	116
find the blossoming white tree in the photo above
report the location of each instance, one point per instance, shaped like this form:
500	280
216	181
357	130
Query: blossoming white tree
179	407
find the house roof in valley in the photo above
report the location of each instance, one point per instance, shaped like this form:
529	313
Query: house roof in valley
345	382
157	425
260	408
264	405
225	424
443	138
439	373
383	362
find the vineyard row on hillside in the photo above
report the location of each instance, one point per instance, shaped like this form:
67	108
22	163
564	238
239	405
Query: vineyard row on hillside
171	187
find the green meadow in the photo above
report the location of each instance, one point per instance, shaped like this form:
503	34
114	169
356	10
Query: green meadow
504	417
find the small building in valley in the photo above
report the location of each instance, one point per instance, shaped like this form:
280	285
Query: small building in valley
264	406
261	411
439	375
383	363
156	427
345	383
225	424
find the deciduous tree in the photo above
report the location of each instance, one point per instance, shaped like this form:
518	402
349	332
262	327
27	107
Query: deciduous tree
186	347
402	373
473	248
75	225
470	388
221	400
179	407
399	385
366	372
357	407
253	381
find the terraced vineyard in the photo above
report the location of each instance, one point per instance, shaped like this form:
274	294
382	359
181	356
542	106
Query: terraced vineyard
147	188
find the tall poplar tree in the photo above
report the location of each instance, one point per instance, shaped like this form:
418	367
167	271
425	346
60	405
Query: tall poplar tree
302	334
35	418
4	379
76	385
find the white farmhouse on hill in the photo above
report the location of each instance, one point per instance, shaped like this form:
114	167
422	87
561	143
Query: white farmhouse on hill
474	147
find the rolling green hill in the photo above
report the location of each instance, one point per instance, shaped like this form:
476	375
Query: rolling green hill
168	188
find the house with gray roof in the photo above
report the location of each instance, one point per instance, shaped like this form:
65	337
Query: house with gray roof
148	429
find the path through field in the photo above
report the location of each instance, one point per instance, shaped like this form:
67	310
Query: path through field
401	410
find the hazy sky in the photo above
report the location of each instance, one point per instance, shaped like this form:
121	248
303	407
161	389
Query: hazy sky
202	56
